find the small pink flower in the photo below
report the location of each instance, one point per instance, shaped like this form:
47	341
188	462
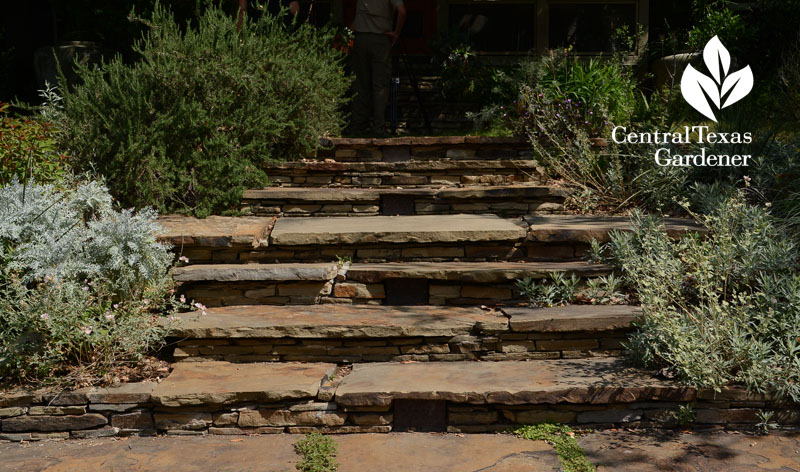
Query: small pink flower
44	316
87	330
109	316
184	259
200	306
182	299
116	305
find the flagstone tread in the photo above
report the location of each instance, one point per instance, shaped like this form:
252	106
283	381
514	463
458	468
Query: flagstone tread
393	229
579	228
572	318
214	231
481	272
593	380
336	321
256	272
322	194
223	383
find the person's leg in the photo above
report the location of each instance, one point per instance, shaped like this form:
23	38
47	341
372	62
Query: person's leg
381	76
362	86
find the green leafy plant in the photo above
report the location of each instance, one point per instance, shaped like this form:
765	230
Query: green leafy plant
191	124
765	423
719	307
559	290
319	453
562	438
82	286
605	290
685	415
28	148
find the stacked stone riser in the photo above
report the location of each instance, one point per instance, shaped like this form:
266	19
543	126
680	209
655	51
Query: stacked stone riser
477	251
426	149
32	418
438	293
403	174
479	346
506	208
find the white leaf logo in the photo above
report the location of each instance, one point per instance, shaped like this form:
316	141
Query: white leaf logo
721	89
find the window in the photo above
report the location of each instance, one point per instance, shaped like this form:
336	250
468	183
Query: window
495	27
590	27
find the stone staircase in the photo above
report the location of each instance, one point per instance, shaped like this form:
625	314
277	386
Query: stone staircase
398	314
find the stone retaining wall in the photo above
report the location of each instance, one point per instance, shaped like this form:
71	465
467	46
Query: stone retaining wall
83	414
409	174
425	148
480	346
469	251
429	205
387	292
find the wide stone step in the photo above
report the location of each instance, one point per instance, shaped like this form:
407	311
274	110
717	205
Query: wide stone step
505	201
339	333
434	238
236	399
405	173
427	229
412	283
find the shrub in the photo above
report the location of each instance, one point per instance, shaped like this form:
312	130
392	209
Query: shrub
81	285
190	125
562	88
721	307
319	453
28	147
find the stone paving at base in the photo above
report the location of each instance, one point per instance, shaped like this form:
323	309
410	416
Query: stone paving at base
669	451
611	451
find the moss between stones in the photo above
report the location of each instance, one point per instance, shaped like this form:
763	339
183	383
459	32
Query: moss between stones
562	438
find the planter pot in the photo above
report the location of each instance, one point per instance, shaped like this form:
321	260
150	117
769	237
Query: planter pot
668	70
47	59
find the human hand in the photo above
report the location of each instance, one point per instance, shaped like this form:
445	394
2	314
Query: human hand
394	35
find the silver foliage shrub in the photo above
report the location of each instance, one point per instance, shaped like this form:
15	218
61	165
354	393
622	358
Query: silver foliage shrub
720	307
82	286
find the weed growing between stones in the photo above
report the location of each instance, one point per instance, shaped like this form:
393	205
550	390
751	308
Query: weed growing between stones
562	438
319	453
685	414
561	290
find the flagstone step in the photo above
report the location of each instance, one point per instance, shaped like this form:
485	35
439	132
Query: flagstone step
428	173
426	229
435	238
506	201
337	333
411	283
224	398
